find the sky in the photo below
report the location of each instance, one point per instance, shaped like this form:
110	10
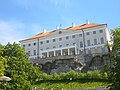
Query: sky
20	19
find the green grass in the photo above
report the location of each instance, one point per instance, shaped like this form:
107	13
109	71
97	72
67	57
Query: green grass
70	84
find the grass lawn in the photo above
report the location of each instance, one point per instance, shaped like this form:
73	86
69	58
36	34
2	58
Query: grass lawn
70	84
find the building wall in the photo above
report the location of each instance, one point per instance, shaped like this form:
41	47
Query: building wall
94	33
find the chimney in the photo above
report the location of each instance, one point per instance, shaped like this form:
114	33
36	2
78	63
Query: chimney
73	24
44	30
87	22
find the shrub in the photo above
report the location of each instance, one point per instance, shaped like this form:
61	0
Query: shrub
93	75
62	76
56	76
46	77
104	75
71	74
81	75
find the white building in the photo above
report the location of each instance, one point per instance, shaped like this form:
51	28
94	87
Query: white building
87	38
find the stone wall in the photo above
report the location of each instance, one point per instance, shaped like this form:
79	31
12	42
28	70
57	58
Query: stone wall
75	62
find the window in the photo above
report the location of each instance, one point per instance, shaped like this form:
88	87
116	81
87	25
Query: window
60	39
47	48
29	52
23	45
53	40
67	37
95	41
54	47
102	40
41	49
88	42
101	31
34	52
103	50
80	35
34	44
60	46
88	33
73	43
41	42
47	41
81	44
67	44
94	32
73	36
89	51
29	45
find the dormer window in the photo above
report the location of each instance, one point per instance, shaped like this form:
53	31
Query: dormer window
60	32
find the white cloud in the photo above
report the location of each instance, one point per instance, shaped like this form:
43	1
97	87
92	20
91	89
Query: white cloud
10	31
13	31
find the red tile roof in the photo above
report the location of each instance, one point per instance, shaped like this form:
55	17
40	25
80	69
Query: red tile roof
83	26
37	36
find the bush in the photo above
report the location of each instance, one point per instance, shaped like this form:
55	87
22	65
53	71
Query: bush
104	75
46	77
75	75
69	75
81	75
63	76
93	75
56	76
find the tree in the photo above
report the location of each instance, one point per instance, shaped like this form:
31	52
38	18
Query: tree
115	70
3	65
2	61
22	72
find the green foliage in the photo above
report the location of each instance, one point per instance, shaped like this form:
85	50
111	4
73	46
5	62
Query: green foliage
115	71
56	76
74	85
1	49
3	65
45	76
93	75
72	75
104	75
22	72
69	75
81	75
3	61
74	80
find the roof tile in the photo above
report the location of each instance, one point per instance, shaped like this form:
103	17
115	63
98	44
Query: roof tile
83	26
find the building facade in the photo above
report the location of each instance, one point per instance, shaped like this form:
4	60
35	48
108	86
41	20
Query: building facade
87	38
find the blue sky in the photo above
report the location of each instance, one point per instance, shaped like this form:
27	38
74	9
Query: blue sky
20	19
